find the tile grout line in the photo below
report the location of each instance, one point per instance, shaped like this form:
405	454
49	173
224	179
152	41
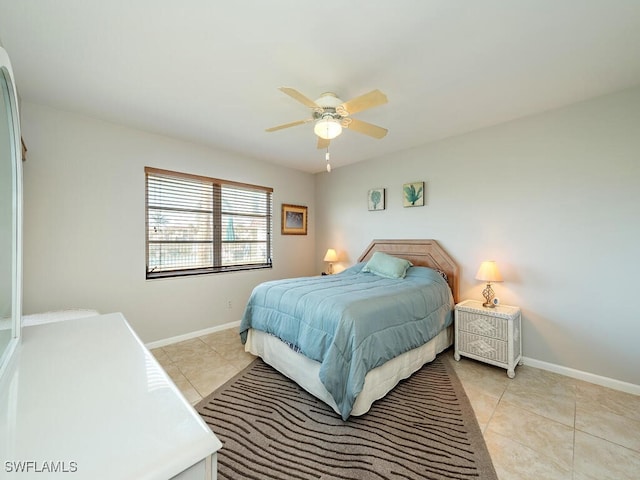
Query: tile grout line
183	374
496	407
568	468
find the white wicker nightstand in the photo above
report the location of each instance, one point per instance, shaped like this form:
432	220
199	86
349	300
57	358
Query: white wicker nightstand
491	335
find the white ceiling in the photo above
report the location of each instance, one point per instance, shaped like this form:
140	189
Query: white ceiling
209	71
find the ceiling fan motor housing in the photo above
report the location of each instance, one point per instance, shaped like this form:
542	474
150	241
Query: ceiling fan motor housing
329	100
331	107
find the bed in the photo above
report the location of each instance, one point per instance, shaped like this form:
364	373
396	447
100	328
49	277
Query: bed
350	338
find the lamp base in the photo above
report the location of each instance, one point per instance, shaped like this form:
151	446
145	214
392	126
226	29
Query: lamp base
488	295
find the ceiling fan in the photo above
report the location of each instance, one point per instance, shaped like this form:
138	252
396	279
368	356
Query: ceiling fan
332	114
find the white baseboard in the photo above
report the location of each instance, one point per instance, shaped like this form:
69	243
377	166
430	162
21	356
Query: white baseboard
586	376
532	362
190	335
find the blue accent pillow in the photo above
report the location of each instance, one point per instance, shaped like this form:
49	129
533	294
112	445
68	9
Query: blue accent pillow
387	266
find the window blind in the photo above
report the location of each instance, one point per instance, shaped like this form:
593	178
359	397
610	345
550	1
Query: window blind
200	225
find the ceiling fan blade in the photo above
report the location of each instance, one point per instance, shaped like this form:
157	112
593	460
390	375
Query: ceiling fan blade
323	143
366	128
287	125
296	95
363	102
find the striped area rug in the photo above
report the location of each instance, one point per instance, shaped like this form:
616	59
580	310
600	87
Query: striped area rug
272	429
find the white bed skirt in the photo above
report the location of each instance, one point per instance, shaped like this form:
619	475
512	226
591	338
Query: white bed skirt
379	381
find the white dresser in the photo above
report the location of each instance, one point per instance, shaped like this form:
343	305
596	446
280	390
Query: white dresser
491	335
85	398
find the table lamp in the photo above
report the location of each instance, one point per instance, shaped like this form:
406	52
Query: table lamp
488	272
331	256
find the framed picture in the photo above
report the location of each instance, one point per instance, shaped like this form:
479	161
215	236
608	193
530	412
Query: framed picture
294	220
413	194
375	199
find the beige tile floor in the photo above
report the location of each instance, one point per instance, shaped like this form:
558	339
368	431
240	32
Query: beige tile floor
539	425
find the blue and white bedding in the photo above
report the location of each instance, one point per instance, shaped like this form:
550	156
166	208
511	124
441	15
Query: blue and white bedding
351	322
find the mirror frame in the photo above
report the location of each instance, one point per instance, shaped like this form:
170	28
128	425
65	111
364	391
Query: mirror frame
16	154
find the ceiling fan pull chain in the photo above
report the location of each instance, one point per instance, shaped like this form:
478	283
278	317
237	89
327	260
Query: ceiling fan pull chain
327	156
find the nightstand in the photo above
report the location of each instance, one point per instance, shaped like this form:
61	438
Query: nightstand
491	335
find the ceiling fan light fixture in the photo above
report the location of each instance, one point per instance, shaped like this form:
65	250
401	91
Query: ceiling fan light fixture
327	128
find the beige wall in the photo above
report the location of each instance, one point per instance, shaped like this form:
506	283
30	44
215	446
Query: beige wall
84	224
553	198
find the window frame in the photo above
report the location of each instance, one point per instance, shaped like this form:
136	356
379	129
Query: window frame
217	242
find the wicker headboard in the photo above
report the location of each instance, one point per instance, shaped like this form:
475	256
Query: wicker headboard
422	253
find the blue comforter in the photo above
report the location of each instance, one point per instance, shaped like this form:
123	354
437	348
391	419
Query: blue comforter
351	322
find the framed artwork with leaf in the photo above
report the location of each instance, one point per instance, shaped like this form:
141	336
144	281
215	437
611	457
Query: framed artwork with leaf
413	194
375	199
294	220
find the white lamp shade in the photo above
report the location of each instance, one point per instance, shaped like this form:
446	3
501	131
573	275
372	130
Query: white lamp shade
331	256
327	128
488	272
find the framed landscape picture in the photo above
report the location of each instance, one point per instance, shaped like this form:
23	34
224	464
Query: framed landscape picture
375	199
294	220
413	194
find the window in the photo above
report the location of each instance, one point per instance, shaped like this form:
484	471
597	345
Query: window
201	225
